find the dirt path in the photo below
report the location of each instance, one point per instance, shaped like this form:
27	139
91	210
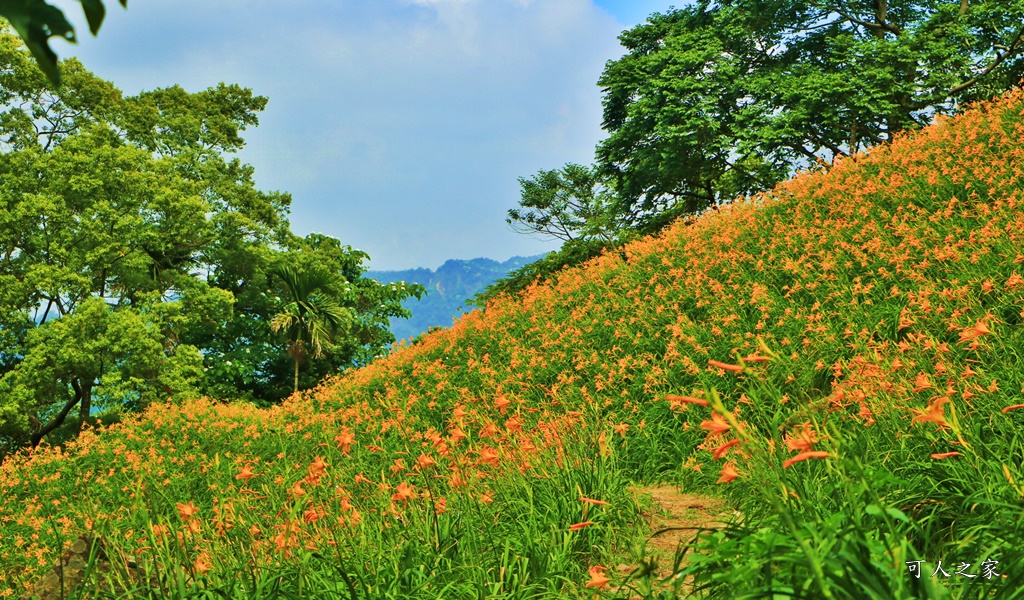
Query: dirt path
666	508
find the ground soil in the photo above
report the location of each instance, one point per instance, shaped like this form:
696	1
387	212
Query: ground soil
673	518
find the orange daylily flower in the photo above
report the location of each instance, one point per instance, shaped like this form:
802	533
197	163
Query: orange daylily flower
246	474
728	472
578	526
597	578
488	456
721	450
716	426
456	480
457	434
345	440
502	404
979	329
489	430
202	564
803	438
360	479
318	467
934	413
458	413
921	382
186	511
942	455
726	366
514	425
1012	407
621	429
425	461
804	456
677	401
403	493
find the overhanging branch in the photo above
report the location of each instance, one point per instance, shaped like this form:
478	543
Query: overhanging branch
1014	47
59	419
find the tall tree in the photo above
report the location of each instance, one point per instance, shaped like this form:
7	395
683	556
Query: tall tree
724	98
313	317
565	204
135	252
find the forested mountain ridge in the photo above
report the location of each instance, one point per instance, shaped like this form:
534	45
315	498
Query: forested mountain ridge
448	288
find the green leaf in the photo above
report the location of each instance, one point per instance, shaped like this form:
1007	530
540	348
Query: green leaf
94	14
897	514
36	22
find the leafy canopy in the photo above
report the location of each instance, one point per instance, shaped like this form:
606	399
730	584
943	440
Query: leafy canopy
313	316
564	204
725	98
135	254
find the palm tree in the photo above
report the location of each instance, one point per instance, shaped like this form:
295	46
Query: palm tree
313	317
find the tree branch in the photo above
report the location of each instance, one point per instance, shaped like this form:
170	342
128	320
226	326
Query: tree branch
59	419
810	155
878	27
999	59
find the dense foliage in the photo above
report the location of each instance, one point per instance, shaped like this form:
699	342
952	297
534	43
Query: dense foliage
134	253
839	359
720	99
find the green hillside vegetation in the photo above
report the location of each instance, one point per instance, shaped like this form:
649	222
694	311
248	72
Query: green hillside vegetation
447	290
716	100
137	257
839	360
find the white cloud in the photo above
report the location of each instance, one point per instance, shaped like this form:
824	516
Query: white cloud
400	126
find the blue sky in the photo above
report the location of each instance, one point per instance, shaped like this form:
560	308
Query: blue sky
399	126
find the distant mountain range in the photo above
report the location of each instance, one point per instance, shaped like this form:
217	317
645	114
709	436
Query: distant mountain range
448	288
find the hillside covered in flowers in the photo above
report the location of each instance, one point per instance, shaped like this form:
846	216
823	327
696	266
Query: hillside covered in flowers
840	360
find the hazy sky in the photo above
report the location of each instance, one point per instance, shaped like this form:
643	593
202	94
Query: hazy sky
399	126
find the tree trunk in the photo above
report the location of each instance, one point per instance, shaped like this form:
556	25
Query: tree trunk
59	419
296	375
86	407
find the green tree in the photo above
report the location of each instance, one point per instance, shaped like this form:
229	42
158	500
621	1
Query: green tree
729	97
565	204
247	360
36	21
133	205
102	351
313	317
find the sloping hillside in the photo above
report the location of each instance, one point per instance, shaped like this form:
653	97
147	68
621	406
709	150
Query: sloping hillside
840	360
